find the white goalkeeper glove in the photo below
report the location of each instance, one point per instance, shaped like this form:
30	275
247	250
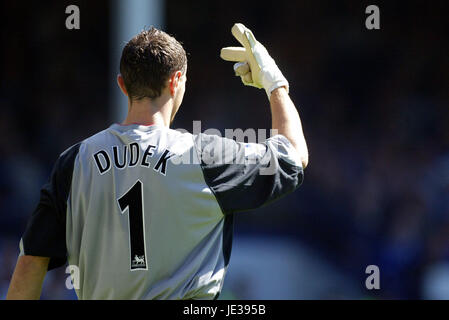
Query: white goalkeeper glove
254	65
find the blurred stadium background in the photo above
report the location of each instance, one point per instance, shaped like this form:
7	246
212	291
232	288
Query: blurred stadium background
375	110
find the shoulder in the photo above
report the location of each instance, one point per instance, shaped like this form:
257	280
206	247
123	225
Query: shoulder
205	141
97	139
88	146
67	158
179	141
179	134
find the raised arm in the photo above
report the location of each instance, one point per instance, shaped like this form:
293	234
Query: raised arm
285	119
29	274
256	68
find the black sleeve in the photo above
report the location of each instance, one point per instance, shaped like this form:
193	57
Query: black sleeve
45	234
245	176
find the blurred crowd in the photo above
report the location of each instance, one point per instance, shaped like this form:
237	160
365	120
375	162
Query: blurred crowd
374	106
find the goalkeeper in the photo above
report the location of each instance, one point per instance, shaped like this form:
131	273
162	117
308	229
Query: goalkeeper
139	225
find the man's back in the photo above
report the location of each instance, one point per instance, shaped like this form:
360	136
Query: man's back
148	210
140	226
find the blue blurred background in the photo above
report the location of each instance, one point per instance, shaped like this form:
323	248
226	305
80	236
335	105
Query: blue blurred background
375	111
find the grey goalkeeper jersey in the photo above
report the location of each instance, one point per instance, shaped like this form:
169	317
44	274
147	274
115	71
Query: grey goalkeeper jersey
145	212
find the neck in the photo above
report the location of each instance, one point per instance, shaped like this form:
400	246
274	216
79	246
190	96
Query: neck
150	112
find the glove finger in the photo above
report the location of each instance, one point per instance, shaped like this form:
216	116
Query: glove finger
238	31
251	39
235	54
247	78
241	68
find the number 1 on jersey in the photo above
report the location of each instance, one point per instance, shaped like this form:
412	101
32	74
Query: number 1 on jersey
133	201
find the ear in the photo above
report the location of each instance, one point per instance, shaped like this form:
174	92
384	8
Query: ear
121	84
174	82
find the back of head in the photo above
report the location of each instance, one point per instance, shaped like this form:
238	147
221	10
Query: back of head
147	62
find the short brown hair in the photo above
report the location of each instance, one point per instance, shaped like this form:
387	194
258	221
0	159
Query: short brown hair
147	62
